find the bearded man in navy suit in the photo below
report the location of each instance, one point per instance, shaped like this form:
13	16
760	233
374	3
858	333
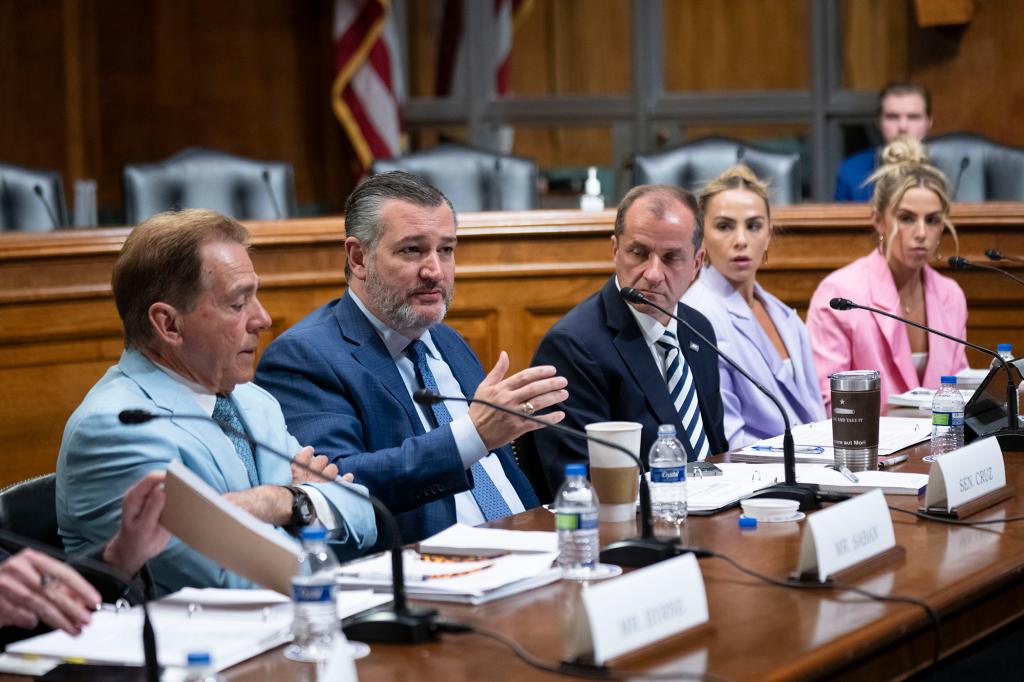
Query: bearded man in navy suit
628	362
345	375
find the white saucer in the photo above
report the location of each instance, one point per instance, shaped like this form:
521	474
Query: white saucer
797	516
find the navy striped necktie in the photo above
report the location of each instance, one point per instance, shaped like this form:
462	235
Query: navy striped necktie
683	392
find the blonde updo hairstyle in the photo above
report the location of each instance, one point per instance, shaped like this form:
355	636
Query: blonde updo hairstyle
735	177
904	167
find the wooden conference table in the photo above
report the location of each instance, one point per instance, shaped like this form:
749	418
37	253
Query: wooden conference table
970	575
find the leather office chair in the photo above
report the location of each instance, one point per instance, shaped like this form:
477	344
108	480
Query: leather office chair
29	508
472	179
241	188
693	164
31	200
978	169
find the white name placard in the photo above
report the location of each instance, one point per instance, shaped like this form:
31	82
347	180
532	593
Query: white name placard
846	534
642	607
965	474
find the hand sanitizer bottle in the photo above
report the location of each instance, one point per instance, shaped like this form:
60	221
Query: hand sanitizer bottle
592	199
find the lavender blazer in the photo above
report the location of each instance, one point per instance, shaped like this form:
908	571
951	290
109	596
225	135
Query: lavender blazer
749	414
857	339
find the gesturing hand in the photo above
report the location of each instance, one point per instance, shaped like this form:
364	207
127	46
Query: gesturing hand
323	470
533	389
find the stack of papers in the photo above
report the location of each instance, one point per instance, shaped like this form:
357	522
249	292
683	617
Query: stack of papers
464	564
814	441
921	398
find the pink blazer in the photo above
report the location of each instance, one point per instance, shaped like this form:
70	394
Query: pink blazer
857	339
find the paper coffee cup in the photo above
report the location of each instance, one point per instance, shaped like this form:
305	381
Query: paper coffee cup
615	476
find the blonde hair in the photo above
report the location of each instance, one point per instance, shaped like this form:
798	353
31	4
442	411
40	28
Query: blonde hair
905	166
735	177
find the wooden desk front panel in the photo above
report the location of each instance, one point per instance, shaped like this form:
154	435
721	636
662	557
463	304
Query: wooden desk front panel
517	274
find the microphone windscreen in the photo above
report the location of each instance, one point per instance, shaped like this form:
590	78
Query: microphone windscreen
840	304
958	262
425	397
992	254
134	416
38	189
632	295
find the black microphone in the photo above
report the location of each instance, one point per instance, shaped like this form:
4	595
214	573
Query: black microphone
496	189
37	189
640	551
993	254
1010	438
961	263
128	586
964	163
804	493
270	192
401	624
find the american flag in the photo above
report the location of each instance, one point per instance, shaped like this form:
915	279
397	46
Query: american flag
369	86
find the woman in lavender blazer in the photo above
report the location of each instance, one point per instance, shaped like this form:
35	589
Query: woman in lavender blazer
760	332
910	211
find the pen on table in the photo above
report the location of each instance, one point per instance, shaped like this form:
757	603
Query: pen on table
383	576
892	461
847	474
799	449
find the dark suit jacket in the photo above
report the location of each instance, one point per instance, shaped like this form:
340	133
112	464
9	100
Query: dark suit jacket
600	349
341	393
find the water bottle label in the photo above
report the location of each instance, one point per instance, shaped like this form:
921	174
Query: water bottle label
311	593
947	418
668	474
570	521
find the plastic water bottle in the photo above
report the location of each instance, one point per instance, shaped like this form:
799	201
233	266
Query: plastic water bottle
315	623
576	524
947	418
200	668
1003	350
667	460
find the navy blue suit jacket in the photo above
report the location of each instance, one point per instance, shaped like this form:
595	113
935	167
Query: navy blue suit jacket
853	172
600	349
341	393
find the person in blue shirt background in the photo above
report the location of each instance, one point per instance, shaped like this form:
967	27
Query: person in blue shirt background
903	109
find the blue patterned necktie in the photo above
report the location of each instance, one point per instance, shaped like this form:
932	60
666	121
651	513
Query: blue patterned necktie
492	504
684	394
225	412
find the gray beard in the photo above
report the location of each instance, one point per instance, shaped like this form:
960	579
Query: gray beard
397	312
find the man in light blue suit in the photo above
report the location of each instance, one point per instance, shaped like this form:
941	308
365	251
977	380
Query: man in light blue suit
186	292
345	375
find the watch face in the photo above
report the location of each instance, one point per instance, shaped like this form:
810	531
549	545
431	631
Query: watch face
303	511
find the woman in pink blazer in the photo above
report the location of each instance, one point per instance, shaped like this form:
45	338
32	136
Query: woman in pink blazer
910	210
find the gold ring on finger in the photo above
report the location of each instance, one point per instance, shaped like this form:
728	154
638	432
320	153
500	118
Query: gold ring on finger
528	408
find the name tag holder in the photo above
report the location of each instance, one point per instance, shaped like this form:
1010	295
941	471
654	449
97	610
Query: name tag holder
848	541
967	481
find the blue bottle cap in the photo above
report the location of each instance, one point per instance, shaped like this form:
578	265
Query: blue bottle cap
748	522
314	533
575	469
198	658
948	380
1004	347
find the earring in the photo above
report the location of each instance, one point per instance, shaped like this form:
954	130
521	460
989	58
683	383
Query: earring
881	245
764	261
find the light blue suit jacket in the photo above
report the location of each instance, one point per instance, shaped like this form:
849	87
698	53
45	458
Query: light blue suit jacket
749	414
100	458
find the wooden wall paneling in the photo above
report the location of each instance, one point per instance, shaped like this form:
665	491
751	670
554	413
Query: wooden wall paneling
874	34
517	274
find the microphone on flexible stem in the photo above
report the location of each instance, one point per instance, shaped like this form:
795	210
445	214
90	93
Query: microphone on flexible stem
270	192
993	254
37	189
804	493
130	589
1010	437
400	624
961	263
639	551
964	163
497	190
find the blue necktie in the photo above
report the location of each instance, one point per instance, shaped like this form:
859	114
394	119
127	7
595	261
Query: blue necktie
492	504
683	392
225	412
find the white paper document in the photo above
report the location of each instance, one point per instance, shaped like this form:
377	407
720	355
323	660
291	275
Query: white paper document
463	539
451	578
921	398
814	441
757	476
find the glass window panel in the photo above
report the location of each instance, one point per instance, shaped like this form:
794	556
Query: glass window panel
750	45
571	46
